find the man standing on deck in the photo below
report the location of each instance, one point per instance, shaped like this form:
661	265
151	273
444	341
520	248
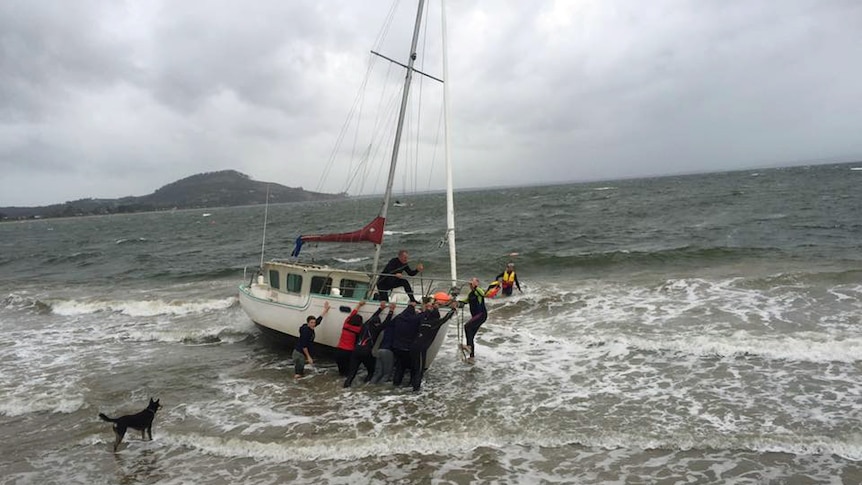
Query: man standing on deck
392	276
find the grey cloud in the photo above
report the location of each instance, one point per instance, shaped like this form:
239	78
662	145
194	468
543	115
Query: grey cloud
148	92
49	49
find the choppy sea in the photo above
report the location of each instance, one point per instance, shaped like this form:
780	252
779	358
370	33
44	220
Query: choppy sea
703	329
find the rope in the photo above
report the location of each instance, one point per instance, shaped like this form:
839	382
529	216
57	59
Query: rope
461	335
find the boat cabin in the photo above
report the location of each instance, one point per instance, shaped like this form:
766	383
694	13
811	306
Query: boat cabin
293	283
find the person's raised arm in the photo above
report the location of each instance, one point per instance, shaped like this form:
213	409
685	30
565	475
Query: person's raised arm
356	310
374	319
325	311
454	308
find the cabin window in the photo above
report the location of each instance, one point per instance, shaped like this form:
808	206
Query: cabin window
354	289
294	283
273	279
321	285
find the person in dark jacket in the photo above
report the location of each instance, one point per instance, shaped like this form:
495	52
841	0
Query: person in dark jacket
302	352
392	276
384	361
403	330
426	332
479	313
347	341
368	334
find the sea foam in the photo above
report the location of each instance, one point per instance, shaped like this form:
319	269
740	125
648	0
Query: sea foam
141	308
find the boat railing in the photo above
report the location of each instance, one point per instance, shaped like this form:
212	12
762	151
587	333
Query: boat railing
426	287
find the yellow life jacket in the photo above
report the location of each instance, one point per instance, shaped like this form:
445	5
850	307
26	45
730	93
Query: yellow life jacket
508	278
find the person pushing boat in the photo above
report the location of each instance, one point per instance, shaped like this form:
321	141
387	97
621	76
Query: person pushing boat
479	313
302	352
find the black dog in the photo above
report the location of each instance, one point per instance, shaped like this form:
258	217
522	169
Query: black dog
142	421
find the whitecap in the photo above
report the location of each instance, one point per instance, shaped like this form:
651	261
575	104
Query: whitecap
141	308
351	260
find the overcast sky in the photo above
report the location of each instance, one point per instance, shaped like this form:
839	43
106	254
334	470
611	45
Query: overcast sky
113	98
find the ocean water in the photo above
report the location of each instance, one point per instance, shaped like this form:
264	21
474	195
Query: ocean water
697	329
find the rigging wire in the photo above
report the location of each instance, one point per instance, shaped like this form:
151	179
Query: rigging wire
419	96
436	144
358	100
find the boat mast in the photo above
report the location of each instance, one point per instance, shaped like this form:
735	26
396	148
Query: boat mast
404	96
265	218
450	200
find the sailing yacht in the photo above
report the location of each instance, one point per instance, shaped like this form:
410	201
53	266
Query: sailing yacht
283	292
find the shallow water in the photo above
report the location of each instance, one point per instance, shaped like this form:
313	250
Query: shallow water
700	329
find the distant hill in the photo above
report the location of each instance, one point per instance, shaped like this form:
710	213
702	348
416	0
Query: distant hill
214	189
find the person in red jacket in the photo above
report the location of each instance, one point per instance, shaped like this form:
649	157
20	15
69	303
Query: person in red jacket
349	331
364	352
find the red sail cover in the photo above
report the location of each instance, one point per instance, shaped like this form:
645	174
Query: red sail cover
373	232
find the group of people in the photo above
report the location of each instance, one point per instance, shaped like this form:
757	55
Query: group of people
393	273
387	347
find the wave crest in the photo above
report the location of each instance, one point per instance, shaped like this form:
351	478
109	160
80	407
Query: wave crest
142	308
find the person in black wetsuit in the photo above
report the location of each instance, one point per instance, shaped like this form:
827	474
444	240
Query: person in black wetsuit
426	332
403	328
392	276
479	313
384	361
365	344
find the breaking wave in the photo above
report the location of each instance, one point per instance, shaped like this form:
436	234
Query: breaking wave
141	308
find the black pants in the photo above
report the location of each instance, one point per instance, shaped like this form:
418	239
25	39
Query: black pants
402	363
417	365
471	328
360	356
342	359
385	286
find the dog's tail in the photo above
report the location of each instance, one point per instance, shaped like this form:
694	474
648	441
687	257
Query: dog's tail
106	418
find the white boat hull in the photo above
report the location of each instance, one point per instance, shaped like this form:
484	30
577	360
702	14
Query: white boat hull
284	312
